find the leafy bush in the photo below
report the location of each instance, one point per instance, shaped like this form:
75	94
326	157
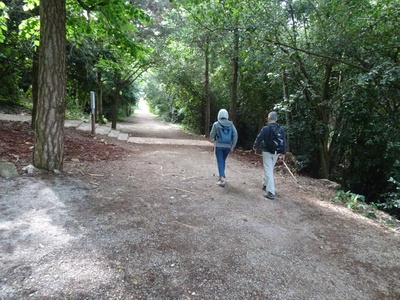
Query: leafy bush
350	199
76	114
392	199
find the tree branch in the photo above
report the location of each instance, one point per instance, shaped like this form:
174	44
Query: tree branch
276	42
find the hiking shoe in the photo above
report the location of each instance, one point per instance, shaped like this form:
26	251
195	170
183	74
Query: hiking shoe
264	188
221	183
269	195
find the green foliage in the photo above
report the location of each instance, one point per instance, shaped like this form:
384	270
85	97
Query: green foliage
15	54
128	100
3	21
73	113
10	90
357	203
352	200
392	199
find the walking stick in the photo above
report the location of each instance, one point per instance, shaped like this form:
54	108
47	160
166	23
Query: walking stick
291	173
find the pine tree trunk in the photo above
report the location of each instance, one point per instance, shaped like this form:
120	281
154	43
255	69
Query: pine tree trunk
207	91
35	86
48	152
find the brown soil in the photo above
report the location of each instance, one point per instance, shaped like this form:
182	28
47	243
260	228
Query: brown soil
146	221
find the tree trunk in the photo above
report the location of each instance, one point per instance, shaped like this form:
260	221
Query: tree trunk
99	99
286	96
35	86
48	152
324	118
207	91
116	102
324	157
235	75
261	120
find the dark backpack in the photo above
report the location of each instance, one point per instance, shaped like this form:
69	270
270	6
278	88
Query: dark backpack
225	133
276	139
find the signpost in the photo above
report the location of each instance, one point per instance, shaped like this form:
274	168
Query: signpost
93	106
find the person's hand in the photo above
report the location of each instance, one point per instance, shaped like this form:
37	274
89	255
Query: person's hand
282	157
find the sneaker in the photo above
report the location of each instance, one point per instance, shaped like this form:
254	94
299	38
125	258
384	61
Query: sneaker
221	183
264	188
269	195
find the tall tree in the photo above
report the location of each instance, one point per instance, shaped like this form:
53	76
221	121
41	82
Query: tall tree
207	99
48	149
235	75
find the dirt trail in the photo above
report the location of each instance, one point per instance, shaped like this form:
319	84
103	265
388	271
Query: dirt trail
153	225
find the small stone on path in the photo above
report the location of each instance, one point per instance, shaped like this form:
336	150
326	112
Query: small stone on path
8	170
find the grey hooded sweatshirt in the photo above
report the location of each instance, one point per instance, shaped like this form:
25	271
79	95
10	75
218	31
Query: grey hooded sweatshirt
223	119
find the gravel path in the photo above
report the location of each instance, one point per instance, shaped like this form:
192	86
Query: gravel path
153	225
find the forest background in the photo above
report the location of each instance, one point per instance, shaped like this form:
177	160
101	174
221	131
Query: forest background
330	68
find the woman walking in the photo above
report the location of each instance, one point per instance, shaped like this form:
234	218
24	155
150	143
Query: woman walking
224	135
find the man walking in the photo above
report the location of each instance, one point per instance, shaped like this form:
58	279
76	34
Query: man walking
272	138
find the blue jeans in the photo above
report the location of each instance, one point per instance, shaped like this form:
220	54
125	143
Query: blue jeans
221	153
